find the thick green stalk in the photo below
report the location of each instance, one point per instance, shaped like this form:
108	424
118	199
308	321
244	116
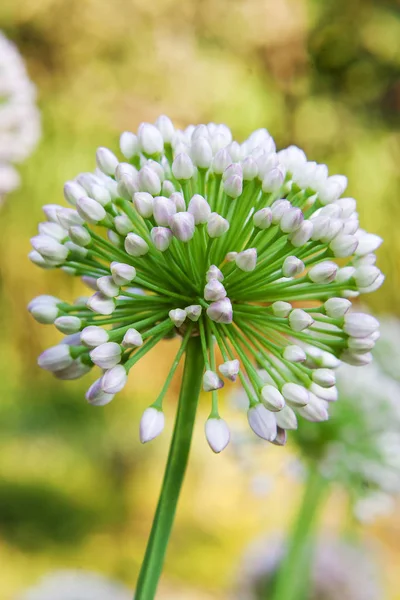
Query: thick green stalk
174	473
294	571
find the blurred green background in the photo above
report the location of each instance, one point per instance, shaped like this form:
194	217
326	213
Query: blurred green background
77	489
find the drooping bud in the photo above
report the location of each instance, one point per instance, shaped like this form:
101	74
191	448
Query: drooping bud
132	339
177	316
55	358
68	324
217	434
211	381
96	396
49	248
230	369
106	285
214	273
367	243
93	336
296	395
122	273
114	380
101	304
107	355
262	422
272	398
360	325
151	424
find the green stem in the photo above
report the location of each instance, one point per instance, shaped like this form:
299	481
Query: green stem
174	473
293	574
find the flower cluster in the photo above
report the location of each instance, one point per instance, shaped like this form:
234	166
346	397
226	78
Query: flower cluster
340	570
19	117
196	234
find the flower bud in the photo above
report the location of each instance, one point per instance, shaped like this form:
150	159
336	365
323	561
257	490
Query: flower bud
263	218
291	220
217	434
273	180
177	316
294	354
163	210
106	285
129	144
50	249
166	128
300	320
324	272
179	202
231	256
55	358
132	339
200	209
324	377
135	245
193	312
96	396
44	312
328	394
150	139
93	336
292	266
343	245
233	186
332	189
182	167
217	225
151	424
360	325
214	290
262	422
123	224
272	398
366	275
167	189
281	309
90	210
68	324
247	260
182	225
106	161
367	243
107	355
230	369
101	194
79	235
122	274
143	202
114	380
360	345
214	273
101	304
68	217
249	169
211	381
221	161
296	395
201	153
149	181
161	238
286	418
302	235
356	359
345	274
39	261
51	212
73	191
315	411
278	209
336	307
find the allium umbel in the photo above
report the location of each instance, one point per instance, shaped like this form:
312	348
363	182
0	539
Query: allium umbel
195	234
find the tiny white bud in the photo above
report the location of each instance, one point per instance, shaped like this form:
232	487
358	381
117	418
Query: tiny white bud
263	218
96	396
217	434
168	189
75	251
374	286
90	210
247	260
151	424
201	153
123	224
272	398
79	235
193	312
249	169
230	369
324	377
332	188
106	285
55	358
211	381
360	325
73	191
177	316
161	238
302	235
324	272
221	311
366	275
163	210
278	209
294	353
101	194
361	345
132	339
149	181
39	261
296	395
183	226
291	220
217	225
233	186
93	336
182	167
68	217
101	304
67	324
150	139
348	206
281	309
143	202
286	418
114	379
51	212
221	161
129	144
356	359
44	312
106	161
50	249
273	180
135	245
300	320
328	394
166	128
345	274
199	208
107	355
367	243
214	290
315	411
292	266
343	245
122	274
179	202
232	169
262	422
214	273
337	307
231	256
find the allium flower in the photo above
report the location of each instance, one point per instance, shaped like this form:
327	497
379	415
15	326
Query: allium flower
196	234
340	571
19	117
76	585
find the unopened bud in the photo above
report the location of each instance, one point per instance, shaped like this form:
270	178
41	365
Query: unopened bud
247	260
217	434
211	381
262	422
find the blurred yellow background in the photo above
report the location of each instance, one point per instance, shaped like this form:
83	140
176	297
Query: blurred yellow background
77	489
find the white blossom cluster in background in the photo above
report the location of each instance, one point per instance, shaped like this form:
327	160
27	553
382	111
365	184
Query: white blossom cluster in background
20	127
340	571
76	585
255	251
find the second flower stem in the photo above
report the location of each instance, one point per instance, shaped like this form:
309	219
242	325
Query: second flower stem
174	473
